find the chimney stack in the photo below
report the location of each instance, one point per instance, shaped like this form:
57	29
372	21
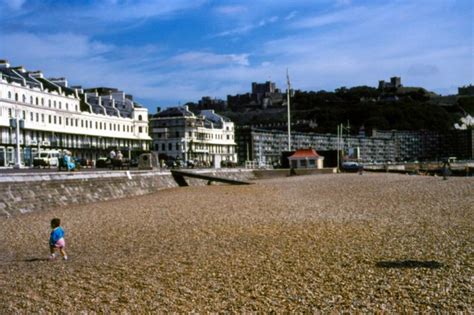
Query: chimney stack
4	63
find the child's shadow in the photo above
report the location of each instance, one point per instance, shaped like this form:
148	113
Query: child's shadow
35	259
403	264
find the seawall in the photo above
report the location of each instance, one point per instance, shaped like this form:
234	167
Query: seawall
28	192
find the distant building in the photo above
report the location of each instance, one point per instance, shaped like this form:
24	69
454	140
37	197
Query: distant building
412	145
266	146
263	90
395	83
263	95
466	90
53	115
458	143
306	158
110	101
180	134
207	102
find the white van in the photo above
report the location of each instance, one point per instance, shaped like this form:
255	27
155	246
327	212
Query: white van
47	158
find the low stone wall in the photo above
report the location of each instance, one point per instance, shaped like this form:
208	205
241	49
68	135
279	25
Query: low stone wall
265	174
23	193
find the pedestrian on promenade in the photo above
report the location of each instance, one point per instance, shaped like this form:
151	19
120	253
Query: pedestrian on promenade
69	161
56	240
119	155
446	169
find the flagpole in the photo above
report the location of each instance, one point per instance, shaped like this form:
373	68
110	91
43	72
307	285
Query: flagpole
288	105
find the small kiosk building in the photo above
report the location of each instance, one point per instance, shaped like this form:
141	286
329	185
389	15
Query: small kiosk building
306	158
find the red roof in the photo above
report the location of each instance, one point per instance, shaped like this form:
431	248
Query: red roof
304	153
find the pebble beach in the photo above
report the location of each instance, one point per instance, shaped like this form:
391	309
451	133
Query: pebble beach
330	243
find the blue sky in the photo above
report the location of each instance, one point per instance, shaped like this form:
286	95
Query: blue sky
167	52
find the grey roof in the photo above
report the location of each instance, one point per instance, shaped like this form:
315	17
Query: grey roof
29	81
175	112
216	119
10	75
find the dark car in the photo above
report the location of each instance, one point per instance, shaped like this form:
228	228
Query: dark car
134	162
102	162
171	164
350	166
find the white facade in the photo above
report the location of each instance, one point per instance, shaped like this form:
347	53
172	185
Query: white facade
207	138
56	116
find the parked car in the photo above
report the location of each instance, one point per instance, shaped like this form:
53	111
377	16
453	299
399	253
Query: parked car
102	162
47	159
350	166
171	164
179	163
134	162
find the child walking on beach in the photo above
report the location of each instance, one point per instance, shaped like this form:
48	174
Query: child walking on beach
56	240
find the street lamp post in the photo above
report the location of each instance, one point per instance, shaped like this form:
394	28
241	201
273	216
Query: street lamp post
339	143
337	147
17	132
185	155
288	105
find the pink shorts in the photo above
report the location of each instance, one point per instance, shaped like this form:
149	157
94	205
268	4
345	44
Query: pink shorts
60	243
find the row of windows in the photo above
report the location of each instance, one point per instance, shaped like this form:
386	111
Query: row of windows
51	103
219	149
66	140
170	147
76	122
38	101
200	136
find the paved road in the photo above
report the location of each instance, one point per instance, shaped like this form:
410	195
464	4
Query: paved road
9	170
52	170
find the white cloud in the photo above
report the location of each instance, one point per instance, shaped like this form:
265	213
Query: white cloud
98	11
13	4
248	27
291	15
346	15
128	10
204	59
343	2
59	45
138	70
235	31
231	9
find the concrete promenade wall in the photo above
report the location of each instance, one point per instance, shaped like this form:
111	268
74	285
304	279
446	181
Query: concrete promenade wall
28	192
265	174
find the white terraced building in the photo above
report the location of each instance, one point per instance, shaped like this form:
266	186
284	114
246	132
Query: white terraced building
53	115
207	138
